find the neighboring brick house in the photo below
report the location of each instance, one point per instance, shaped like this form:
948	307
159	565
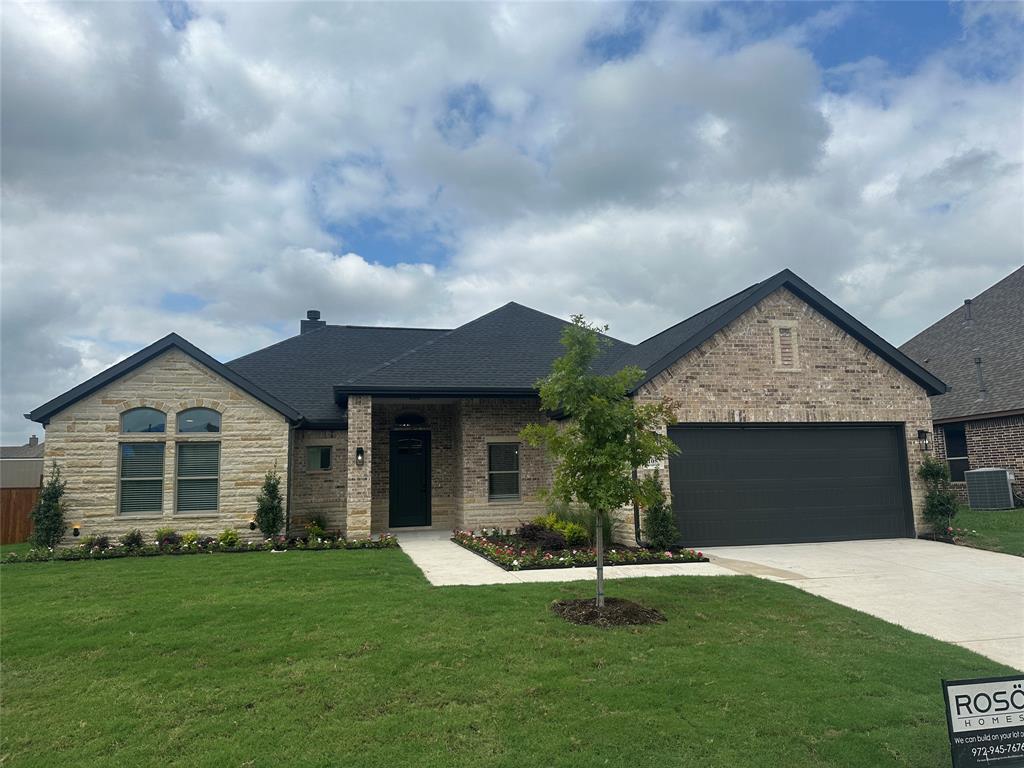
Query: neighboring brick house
796	423
978	350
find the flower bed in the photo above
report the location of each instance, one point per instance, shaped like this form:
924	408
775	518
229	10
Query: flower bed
202	546
512	554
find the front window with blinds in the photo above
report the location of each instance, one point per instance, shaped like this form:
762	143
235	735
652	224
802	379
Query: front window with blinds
318	458
142	479
198	476
503	471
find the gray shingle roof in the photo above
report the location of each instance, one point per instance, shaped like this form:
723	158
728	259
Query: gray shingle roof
22	451
505	351
995	334
303	370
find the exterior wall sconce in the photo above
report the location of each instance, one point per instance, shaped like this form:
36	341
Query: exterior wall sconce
76	529
252	524
924	439
360	456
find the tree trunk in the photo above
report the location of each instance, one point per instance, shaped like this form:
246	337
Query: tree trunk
599	541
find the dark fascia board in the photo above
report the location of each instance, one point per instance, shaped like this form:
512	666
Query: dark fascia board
325	424
341	392
979	416
43	413
851	325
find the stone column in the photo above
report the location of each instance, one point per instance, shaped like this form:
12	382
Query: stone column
358	490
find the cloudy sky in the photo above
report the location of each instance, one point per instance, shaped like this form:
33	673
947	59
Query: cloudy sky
218	169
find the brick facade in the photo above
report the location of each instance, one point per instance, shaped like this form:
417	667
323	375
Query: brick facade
320	493
83	439
736	376
358	487
997	442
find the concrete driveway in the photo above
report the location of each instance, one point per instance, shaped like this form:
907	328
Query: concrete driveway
965	596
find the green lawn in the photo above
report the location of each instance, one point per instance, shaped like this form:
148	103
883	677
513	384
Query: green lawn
999	530
351	658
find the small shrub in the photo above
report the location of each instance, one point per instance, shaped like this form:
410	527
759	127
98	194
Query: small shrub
190	538
228	538
581	516
660	529
133	540
543	538
163	532
940	501
169	541
270	506
314	530
48	513
96	542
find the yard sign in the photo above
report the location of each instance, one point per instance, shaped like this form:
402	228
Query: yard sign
985	718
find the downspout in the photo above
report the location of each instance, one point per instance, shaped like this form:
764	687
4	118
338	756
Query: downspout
288	496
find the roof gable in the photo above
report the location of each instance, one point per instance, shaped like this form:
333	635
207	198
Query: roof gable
651	355
45	412
995	333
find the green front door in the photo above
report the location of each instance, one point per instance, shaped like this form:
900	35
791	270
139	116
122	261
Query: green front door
410	479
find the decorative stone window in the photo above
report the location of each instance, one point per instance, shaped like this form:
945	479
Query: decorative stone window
198	476
199	420
144	420
141	472
786	345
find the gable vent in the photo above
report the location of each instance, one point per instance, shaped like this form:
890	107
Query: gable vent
786	350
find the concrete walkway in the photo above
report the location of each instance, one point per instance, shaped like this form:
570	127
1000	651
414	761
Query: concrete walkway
960	595
447	564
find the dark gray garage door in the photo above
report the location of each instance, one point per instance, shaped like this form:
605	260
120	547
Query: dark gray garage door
746	484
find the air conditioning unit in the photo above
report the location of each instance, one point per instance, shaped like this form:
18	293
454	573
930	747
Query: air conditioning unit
989	488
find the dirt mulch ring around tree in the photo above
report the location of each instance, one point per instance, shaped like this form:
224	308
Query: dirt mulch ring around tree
616	612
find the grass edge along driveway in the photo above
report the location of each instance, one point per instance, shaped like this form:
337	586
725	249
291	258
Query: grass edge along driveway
351	658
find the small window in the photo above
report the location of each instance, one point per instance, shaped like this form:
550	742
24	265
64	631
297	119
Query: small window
318	458
142	479
198	420
503	470
198	475
143	420
956	450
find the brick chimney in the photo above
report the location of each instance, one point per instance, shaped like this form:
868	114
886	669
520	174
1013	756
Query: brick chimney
312	321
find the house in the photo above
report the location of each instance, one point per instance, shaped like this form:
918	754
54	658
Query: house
21	466
978	350
21	475
796	423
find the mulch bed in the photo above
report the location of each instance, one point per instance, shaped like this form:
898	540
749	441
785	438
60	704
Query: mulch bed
616	612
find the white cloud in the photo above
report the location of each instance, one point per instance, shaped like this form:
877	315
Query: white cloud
239	166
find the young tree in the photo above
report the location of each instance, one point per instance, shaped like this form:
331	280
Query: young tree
48	513
270	506
606	434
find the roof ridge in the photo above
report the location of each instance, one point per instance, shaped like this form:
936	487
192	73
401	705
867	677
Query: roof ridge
700	312
324	328
427	343
277	344
959	307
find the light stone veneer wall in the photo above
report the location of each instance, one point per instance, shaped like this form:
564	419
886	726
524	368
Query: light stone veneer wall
733	376
83	439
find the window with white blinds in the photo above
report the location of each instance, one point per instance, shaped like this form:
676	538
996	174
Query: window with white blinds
503	471
198	476
142	478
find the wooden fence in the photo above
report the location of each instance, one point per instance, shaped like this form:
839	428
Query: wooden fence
16	514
